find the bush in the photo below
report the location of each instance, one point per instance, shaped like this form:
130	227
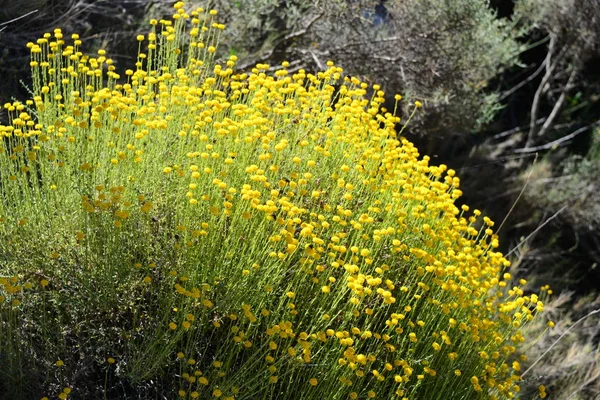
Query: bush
187	230
444	53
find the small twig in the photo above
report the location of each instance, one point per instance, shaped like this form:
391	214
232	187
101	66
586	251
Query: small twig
541	88
387	58
296	68
280	67
557	141
518	197
365	43
536	230
557	106
256	60
535	44
524	82
515	130
317	61
558	340
495	161
302	31
18	18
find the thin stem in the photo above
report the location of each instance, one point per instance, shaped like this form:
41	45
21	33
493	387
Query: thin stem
559	339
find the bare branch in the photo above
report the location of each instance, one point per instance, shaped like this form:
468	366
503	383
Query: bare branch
515	130
317	61
538	93
386	58
18	18
558	105
524	82
292	65
303	30
558	141
365	42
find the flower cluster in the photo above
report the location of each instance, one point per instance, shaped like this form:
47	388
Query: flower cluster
290	241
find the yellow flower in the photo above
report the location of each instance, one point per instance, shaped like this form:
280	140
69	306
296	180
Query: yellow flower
516	366
542	391
147	207
313	381
110	360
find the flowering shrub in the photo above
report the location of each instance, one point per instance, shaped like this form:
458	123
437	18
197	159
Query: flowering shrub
238	235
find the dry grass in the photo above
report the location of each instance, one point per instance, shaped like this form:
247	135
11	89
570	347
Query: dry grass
571	369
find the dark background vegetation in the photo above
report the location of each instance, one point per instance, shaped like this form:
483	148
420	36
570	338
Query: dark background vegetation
511	92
